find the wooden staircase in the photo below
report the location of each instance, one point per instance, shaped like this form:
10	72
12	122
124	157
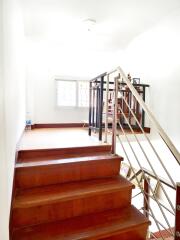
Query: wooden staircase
73	194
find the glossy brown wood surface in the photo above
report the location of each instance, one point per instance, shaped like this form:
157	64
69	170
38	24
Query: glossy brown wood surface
35	174
57	153
127	223
58	125
51	203
68	191
73	194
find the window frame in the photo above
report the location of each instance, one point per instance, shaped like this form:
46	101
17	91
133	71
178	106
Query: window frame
77	93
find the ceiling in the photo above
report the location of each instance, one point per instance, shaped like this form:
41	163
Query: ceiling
118	22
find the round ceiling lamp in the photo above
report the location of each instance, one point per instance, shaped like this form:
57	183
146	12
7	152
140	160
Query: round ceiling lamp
89	24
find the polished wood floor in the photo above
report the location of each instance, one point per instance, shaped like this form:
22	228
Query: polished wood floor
57	138
67	187
48	138
60	197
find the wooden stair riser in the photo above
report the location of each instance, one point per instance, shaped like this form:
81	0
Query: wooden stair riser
125	224
33	155
72	208
53	174
55	201
138	233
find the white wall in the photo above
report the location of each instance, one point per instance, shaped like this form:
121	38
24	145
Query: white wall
47	60
3	168
154	56
12	102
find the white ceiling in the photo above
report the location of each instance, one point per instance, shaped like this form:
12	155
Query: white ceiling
118	21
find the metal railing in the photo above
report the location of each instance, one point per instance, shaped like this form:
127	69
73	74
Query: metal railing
142	152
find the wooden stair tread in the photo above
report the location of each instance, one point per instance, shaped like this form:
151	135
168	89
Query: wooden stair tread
42	173
66	160
68	191
94	226
38	154
63	156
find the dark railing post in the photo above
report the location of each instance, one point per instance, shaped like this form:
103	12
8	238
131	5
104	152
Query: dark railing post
146	196
90	107
93	104
101	107
143	113
97	107
177	216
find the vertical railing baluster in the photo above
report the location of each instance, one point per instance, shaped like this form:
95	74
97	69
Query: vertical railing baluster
130	103
146	196
97	107
143	113
93	105
177	216
114	127
90	107
106	108
133	109
101	107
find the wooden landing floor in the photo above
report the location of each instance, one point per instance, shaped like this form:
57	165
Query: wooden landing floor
44	138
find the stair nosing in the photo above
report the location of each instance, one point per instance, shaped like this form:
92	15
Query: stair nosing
66	161
66	148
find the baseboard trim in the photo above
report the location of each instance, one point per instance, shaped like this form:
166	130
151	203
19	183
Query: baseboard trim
58	125
73	125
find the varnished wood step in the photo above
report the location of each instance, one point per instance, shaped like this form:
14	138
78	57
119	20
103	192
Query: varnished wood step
51	203
58	153
41	173
124	224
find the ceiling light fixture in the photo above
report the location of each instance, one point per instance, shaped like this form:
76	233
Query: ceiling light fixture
89	24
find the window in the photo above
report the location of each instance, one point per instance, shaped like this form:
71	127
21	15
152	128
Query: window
72	93
83	94
66	93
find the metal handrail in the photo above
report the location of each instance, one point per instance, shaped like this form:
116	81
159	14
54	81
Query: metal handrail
139	185
135	155
160	130
142	169
121	76
145	196
154	150
152	175
114	84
